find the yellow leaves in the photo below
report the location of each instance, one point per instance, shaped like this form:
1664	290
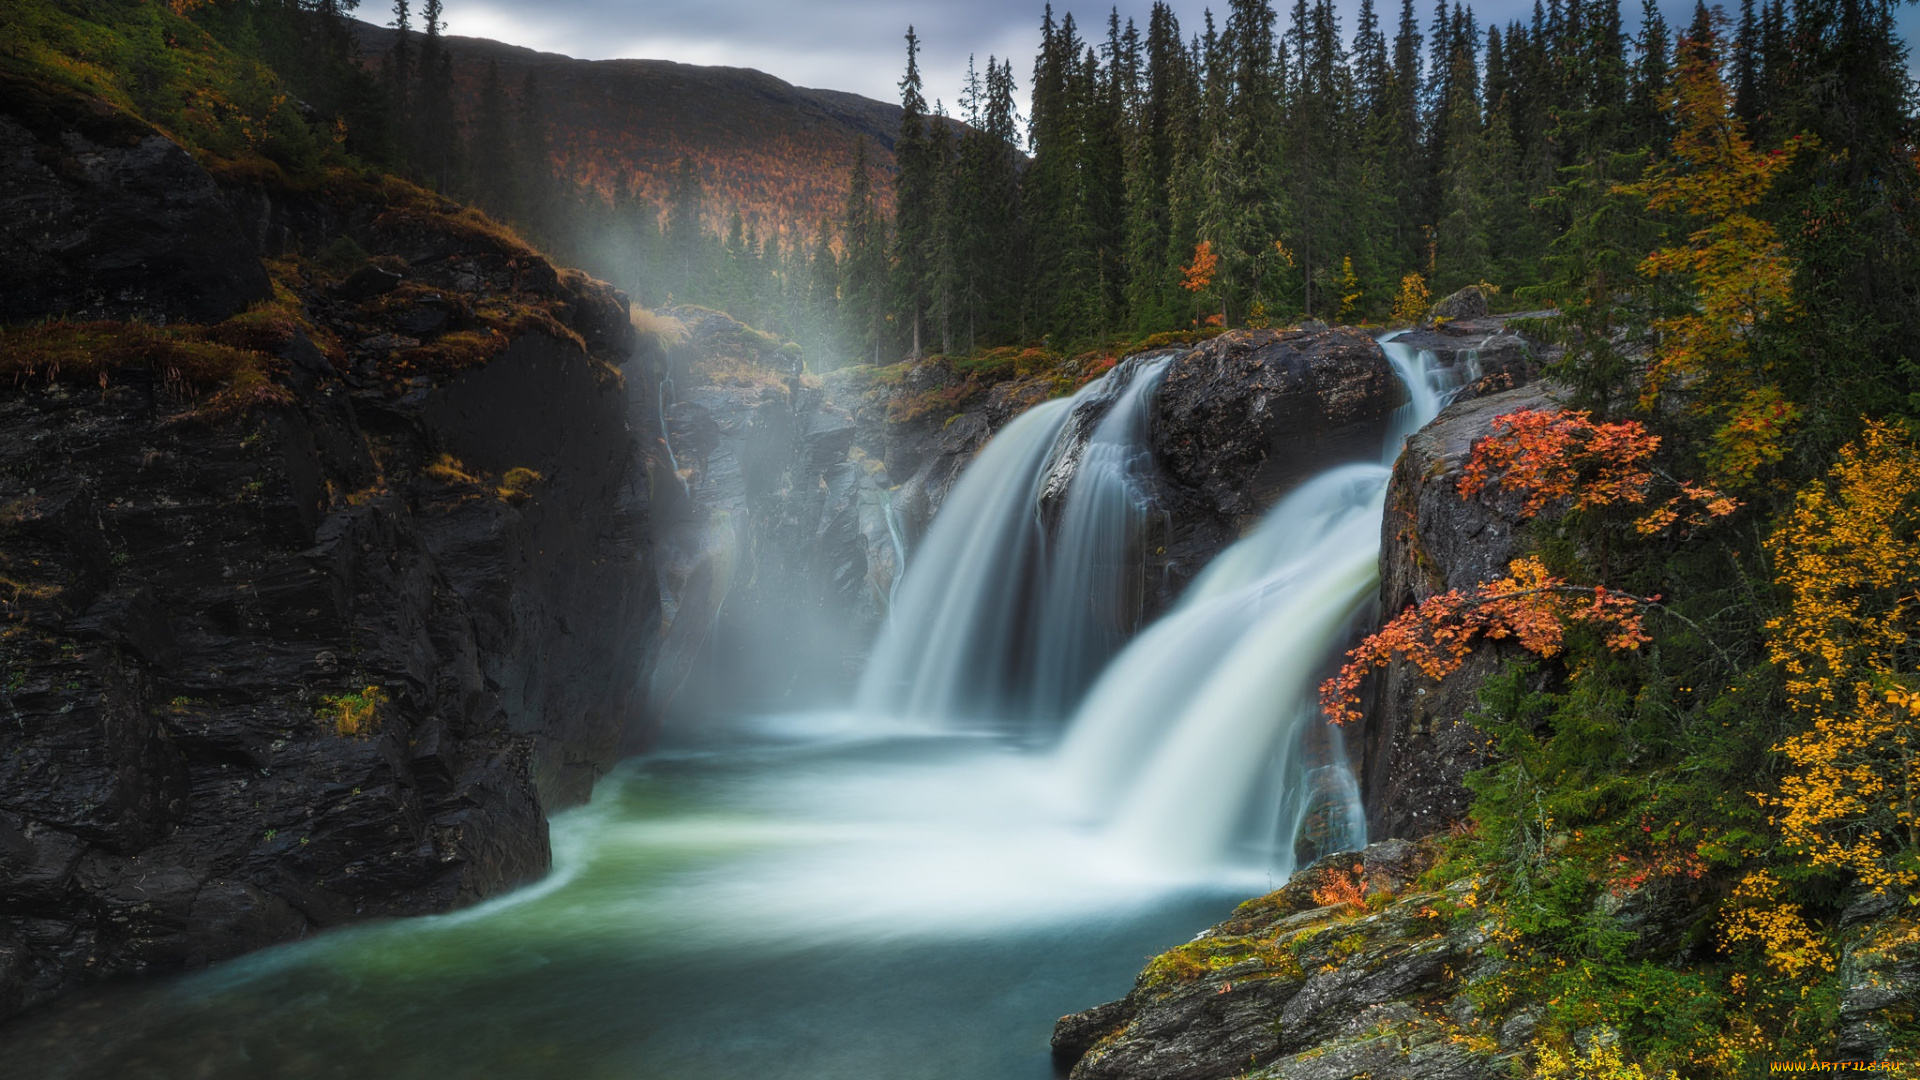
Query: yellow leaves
354	715
1734	263
1847	555
1350	292
1759	915
1601	1061
1412	302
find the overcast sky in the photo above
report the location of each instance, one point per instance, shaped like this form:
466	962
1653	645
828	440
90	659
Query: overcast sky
854	45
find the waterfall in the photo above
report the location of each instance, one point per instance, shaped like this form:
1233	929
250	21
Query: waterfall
957	641
997	621
1202	740
1095	580
1186	733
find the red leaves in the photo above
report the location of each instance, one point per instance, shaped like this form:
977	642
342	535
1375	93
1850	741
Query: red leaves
1530	605
1567	456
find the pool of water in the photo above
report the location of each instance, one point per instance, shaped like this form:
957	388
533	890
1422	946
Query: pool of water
787	899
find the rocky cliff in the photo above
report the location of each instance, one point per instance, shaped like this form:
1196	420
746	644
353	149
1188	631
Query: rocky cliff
310	614
1417	746
1381	964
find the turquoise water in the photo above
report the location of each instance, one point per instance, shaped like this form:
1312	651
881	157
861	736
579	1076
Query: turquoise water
808	897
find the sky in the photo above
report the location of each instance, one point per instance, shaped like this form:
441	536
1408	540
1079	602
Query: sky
857	45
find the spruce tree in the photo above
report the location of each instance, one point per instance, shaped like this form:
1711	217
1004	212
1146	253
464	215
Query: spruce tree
914	209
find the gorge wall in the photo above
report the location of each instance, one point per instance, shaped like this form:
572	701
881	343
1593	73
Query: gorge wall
327	649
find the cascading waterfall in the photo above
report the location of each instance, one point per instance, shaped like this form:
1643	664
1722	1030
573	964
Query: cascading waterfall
1001	624
957	637
1210	705
1095	580
1202	739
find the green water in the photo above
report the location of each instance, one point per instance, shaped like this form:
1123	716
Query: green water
800	899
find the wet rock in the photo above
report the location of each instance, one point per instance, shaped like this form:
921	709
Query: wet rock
1250	413
1417	746
1289	987
103	217
1879	975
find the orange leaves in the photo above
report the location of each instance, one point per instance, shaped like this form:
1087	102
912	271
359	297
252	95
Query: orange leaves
1342	888
1566	456
1530	605
1205	265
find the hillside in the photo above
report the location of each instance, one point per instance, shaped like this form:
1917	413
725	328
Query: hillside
777	152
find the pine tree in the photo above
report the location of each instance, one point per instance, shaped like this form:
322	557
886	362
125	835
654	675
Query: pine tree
914	194
863	268
436	137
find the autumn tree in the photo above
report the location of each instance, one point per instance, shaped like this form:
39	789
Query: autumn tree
1731	263
1848	555
1197	277
1549	459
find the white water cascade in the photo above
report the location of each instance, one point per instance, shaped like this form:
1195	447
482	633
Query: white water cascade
1095	583
1203	741
1200	742
1003	625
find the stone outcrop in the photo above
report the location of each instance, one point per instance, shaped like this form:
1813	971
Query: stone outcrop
328	657
1348	970
1417	747
1244	417
1488	351
103	217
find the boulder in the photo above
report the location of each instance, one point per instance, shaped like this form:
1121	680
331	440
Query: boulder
1468	303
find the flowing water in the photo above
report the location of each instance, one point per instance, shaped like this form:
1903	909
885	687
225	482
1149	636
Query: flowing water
882	893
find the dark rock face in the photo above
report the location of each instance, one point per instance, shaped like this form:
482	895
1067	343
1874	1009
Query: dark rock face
187	602
1244	417
1289	988
1879	979
103	217
1252	412
330	659
1417	747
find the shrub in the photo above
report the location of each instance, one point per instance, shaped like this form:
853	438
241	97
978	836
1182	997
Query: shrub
354	714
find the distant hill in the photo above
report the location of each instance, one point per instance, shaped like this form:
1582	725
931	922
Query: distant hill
779	153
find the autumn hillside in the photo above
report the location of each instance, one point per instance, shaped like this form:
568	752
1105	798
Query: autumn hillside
779	153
